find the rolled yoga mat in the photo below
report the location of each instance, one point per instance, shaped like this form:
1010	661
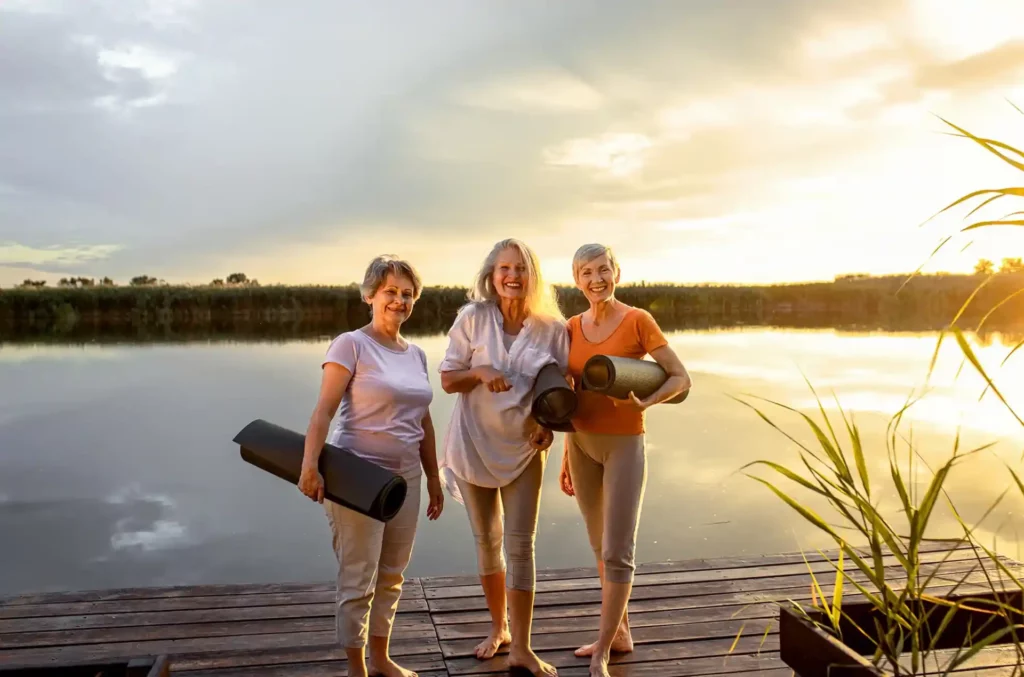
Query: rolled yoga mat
349	480
554	401
617	376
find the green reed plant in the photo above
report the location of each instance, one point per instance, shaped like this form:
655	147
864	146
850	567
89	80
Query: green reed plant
1013	158
835	470
903	631
984	198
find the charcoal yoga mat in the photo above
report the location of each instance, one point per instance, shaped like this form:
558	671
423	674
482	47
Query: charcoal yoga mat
349	480
554	401
617	376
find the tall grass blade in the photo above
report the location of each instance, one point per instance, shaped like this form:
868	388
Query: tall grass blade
978	646
824	416
841	467
837	592
789	474
996	307
993	222
991	145
969	353
736	640
1012	351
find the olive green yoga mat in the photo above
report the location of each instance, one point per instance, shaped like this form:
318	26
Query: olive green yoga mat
349	480
618	376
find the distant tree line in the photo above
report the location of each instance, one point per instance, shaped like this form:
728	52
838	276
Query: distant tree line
982	267
240	304
234	279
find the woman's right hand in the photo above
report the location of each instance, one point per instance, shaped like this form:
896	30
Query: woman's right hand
311	483
493	379
564	477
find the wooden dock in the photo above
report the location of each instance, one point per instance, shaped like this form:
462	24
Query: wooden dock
686	618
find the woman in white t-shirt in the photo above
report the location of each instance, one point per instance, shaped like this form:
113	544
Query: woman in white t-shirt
494	452
379	381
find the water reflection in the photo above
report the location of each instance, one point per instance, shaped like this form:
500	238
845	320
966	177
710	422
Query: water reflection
117	468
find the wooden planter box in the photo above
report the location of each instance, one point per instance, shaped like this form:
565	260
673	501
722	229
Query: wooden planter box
812	652
150	666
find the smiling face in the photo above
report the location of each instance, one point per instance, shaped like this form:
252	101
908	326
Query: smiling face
394	299
510	277
597	279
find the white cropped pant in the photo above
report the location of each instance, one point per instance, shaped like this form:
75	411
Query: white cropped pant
372	557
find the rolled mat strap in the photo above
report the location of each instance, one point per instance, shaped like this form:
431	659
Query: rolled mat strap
349	480
618	376
554	402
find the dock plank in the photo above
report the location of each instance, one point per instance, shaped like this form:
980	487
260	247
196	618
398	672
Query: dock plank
690	618
698	576
407	626
711	648
694	564
822	569
560	598
181	604
415	592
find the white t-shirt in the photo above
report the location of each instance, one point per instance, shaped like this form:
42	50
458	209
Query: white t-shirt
487	441
380	417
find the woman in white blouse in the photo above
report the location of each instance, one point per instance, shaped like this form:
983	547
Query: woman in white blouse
494	452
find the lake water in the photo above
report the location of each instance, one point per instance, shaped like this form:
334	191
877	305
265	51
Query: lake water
117	466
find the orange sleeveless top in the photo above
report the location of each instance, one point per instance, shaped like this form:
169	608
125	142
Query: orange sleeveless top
636	336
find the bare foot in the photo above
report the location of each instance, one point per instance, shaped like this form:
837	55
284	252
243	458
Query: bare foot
527	660
387	668
487	648
622	643
599	665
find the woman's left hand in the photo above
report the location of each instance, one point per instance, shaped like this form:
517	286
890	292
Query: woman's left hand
633	403
541	438
436	495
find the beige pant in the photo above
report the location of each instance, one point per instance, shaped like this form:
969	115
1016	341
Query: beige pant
372	557
520	500
609	475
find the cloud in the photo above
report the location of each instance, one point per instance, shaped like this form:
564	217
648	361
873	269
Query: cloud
14	254
996	67
197	134
618	155
543	91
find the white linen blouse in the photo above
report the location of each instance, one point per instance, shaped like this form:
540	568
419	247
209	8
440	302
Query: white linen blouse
487	441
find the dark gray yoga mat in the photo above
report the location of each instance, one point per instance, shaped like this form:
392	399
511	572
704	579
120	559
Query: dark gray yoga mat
554	402
349	480
618	376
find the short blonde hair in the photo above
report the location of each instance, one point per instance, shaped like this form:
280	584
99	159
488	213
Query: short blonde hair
588	253
540	296
379	269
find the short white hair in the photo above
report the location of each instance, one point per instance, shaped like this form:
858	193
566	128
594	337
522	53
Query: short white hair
588	253
379	269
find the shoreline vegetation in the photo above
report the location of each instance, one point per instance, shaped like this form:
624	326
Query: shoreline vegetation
83	309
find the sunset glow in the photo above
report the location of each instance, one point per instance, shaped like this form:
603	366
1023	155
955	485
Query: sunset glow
813	149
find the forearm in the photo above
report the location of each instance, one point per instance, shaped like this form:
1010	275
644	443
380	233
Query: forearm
673	385
460	381
316	435
428	450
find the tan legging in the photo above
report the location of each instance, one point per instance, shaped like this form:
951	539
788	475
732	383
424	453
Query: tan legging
520	500
372	557
609	475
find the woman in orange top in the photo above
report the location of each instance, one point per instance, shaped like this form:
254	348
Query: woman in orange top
604	459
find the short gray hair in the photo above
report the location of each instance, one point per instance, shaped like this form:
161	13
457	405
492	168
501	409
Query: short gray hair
588	253
379	269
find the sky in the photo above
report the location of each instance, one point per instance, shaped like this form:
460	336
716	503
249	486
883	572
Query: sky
719	141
